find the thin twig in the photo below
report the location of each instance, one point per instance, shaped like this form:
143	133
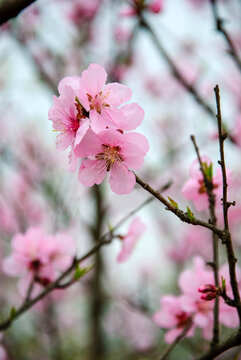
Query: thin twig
177	74
215	265
220	27
228	239
177	340
179	213
232	341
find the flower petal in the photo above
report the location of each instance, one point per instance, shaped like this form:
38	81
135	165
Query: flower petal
92	172
122	181
134	115
94	79
116	94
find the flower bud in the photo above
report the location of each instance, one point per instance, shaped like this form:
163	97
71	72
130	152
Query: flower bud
209	292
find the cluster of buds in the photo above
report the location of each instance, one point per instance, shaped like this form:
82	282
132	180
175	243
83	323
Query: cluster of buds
209	292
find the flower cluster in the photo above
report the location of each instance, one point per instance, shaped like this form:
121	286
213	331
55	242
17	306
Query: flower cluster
91	121
39	257
178	311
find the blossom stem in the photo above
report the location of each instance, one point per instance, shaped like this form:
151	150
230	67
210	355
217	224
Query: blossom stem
179	213
228	239
215	265
177	340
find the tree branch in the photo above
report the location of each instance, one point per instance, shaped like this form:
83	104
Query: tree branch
220	27
11	8
228	239
215	265
179	213
177	74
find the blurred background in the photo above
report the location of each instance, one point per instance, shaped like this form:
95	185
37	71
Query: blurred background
108	313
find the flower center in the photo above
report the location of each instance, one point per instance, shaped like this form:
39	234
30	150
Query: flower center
182	319
98	102
202	188
110	155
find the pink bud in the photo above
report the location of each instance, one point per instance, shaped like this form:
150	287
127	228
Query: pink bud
209	292
208	296
207	288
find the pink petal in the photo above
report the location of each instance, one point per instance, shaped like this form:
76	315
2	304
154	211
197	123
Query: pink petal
139	140
90	145
72	162
97	122
116	94
92	172
122	181
72	81
94	79
134	115
114	117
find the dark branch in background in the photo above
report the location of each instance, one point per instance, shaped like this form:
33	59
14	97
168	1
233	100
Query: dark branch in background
11	8
177	340
228	239
97	302
104	240
232	341
219	22
213	220
177	74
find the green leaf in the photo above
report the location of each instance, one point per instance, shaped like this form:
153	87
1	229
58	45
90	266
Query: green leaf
79	273
13	312
173	202
208	170
190	214
110	227
223	283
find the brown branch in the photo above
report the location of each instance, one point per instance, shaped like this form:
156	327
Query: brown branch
11	8
177	340
179	213
232	341
215	265
228	239
220	27
177	74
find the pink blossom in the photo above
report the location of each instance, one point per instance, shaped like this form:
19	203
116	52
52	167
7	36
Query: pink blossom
37	255
194	189
171	316
189	282
113	152
136	229
87	101
69	119
102	100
